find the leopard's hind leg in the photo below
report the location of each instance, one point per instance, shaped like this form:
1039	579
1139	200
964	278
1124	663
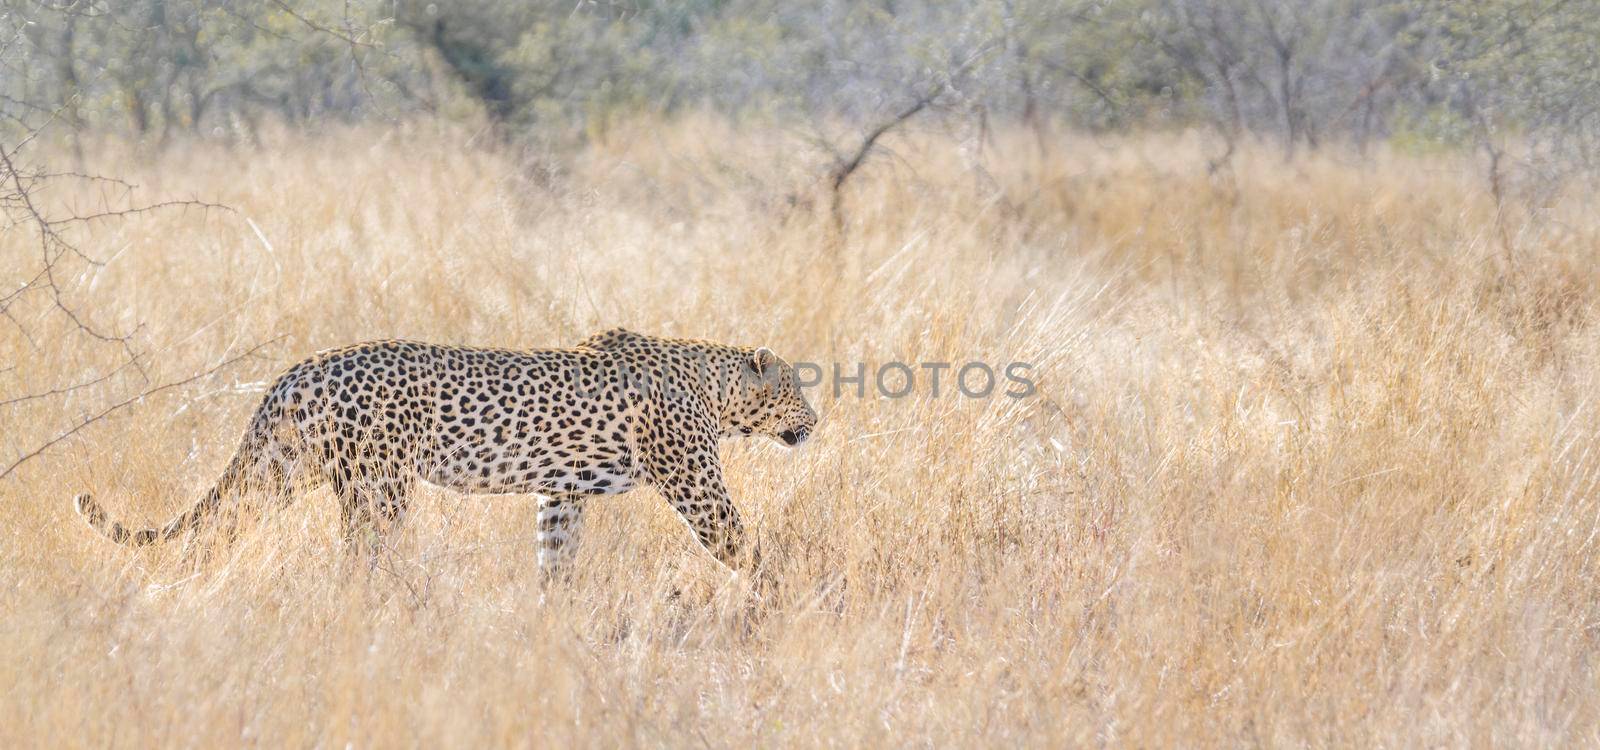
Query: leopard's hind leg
560	520
373	500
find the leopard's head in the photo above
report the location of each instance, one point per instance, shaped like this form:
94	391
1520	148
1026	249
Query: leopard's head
767	400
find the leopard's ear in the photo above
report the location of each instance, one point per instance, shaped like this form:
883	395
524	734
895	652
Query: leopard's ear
763	362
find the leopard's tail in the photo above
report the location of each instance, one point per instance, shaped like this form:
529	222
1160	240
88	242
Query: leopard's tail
192	519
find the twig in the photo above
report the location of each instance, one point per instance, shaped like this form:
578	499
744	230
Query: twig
314	26
120	405
62	391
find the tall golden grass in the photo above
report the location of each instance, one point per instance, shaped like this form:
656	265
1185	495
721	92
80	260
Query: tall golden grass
1313	458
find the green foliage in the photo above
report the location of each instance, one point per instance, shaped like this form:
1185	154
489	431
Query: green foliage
1535	61
1430	130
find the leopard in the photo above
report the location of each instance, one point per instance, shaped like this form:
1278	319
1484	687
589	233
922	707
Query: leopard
617	412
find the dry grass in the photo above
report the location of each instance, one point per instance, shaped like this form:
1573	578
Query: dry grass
1313	459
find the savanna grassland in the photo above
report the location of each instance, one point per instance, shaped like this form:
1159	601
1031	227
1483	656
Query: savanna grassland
1312	460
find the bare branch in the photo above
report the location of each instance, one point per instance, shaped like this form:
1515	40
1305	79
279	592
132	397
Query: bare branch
137	210
845	166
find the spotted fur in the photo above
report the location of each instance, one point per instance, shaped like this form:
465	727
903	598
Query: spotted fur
618	411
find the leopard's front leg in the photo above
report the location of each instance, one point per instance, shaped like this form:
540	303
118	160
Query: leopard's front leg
687	470
703	502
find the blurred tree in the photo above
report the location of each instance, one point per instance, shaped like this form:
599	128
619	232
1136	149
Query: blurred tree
1301	72
1528	67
